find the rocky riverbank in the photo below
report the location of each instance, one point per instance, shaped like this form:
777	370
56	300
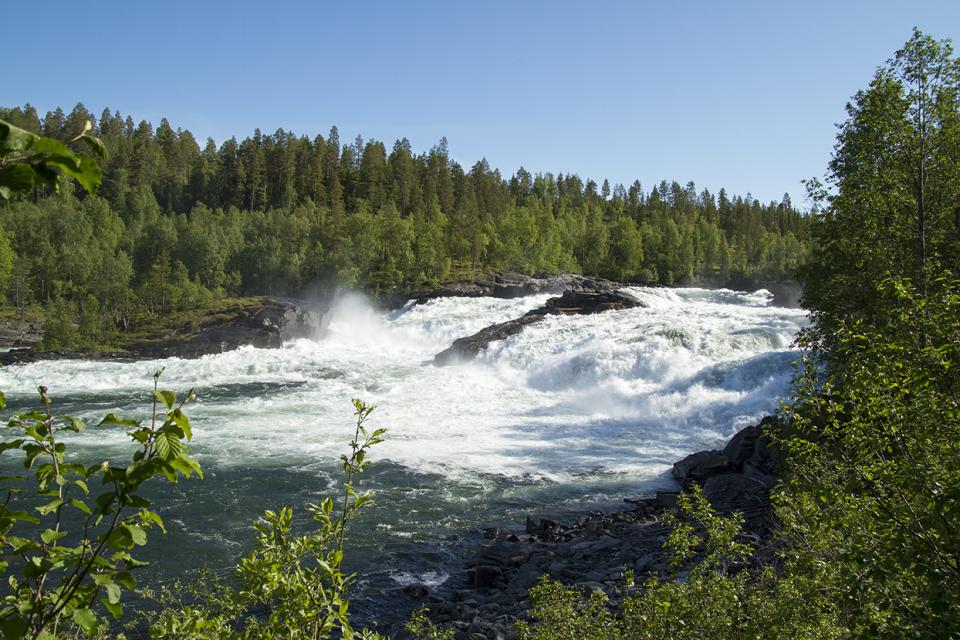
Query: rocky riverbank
490	594
261	322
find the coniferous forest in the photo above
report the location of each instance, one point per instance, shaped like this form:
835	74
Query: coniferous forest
177	223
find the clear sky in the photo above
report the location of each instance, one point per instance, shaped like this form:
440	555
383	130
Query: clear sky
742	95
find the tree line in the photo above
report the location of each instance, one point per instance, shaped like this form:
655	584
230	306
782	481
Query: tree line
175	223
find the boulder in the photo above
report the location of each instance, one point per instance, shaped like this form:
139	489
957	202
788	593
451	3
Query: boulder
587	302
699	466
741	446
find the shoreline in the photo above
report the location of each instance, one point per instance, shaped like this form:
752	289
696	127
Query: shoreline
484	599
267	321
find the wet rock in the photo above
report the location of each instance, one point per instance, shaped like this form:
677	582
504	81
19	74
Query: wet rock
699	466
588	302
469	347
594	551
570	303
416	590
484	575
741	447
507	285
667	499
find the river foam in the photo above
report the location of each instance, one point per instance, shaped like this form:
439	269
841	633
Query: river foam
572	413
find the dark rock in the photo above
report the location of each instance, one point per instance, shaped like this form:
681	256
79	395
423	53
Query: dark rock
506	285
587	302
699	466
20	334
265	324
258	322
531	526
667	499
570	303
484	575
469	347
741	447
548	528
593	551
416	590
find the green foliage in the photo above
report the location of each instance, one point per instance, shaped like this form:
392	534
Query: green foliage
296	580
423	628
874	466
177	223
712	594
870	512
67	553
895	174
28	160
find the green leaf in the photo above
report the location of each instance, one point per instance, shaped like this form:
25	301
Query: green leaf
49	535
137	535
168	398
13	627
86	618
54	149
10	444
113	592
95	144
73	424
16	179
50	507
14	139
115	609
79	504
126	580
178	417
168	445
114	419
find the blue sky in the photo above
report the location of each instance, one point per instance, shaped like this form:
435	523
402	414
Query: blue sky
742	95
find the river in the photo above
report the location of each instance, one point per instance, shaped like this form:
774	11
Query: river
574	413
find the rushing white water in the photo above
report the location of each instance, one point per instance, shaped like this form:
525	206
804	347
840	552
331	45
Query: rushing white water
544	421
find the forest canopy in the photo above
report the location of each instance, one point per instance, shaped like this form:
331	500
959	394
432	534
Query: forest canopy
177	223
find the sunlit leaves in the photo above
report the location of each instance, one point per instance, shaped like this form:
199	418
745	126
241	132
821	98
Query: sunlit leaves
72	566
28	160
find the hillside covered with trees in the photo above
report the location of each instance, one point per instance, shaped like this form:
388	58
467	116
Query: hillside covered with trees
177	223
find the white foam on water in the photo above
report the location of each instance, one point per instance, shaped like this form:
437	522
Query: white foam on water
623	392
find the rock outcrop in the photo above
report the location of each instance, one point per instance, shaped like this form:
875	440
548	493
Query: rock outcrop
265	325
491	592
259	322
570	303
20	334
508	285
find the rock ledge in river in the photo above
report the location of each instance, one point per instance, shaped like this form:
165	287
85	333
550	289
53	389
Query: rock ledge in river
570	303
512	285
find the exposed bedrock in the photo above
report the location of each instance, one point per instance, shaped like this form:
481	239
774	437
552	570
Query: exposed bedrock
259	322
570	303
491	592
506	284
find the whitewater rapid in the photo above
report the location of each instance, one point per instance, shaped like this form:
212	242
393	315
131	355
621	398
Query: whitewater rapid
574	411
